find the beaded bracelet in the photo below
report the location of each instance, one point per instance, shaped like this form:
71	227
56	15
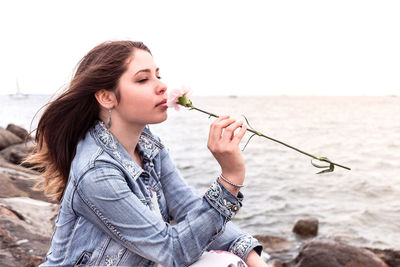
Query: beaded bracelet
229	182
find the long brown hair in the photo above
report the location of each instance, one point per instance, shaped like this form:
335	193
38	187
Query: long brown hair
66	119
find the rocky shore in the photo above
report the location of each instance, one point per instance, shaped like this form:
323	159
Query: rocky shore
27	217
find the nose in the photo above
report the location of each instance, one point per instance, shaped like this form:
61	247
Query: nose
161	88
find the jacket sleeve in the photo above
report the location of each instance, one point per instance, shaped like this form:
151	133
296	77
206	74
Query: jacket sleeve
233	239
104	198
236	241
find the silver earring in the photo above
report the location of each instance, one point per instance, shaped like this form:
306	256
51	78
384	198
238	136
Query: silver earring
109	119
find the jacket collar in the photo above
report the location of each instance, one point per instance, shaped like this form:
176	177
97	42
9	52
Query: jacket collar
148	147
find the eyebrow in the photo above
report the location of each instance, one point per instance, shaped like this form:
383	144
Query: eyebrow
146	70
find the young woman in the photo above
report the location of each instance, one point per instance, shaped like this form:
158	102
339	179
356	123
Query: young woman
118	188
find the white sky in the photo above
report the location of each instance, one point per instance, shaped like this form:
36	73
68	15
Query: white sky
293	47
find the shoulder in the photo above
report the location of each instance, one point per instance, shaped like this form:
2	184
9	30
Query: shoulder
148	135
90	156
150	143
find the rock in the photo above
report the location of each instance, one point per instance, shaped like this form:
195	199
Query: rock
6	212
18	131
306	227
7	138
13	167
389	256
37	215
17	153
25	231
15	182
333	254
6	258
14	254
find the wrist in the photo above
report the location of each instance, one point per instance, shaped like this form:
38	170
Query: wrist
229	185
230	182
234	177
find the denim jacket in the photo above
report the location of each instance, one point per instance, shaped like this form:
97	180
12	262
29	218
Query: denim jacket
107	215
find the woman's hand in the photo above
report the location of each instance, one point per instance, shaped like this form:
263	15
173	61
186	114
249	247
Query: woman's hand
254	260
223	143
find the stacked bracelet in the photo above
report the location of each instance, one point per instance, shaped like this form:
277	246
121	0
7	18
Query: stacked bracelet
229	182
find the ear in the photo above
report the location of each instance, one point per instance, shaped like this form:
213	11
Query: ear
106	99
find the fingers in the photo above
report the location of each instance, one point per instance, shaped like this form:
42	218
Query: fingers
223	131
238	137
229	131
217	126
223	127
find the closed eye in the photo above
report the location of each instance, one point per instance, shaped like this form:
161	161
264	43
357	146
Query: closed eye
142	80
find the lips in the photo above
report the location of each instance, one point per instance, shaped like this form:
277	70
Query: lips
163	102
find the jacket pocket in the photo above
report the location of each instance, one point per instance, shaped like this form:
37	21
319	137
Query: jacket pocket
83	258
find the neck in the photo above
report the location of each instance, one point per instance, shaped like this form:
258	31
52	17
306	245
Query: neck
128	135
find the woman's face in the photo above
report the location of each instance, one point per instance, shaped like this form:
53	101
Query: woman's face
142	94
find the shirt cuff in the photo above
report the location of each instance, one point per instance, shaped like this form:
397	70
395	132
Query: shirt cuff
223	200
242	246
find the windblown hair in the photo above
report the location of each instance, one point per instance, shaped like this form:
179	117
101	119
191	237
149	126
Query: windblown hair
66	120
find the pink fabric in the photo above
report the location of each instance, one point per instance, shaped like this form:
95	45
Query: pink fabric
218	258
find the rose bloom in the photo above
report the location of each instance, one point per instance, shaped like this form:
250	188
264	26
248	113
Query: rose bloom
175	94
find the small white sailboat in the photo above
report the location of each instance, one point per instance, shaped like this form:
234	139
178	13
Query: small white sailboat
18	93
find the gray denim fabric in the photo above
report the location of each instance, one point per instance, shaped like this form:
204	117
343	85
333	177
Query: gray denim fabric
107	217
